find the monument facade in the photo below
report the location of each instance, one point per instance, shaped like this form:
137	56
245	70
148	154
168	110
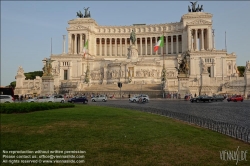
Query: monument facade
126	54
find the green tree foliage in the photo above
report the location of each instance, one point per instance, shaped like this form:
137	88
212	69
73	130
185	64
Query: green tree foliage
29	75
241	70
32	75
13	84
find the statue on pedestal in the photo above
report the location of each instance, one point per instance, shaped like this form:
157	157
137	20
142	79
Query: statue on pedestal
183	65
133	37
47	69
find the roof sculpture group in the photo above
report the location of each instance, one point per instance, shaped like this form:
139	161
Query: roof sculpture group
194	8
86	13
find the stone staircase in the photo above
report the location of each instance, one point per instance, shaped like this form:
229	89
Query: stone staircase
125	87
153	90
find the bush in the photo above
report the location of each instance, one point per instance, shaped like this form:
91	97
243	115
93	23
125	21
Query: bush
8	108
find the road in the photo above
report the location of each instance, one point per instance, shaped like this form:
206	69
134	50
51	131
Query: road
230	112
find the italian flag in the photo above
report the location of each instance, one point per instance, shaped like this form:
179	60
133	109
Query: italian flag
85	49
160	43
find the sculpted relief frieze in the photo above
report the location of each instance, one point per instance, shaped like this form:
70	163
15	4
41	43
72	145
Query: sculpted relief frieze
97	75
144	73
200	21
77	27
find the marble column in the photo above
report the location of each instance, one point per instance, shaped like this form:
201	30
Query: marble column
116	49
166	44
100	46
120	46
126	46
81	44
110	46
172	44
141	46
146	46
105	47
151	46
202	39
75	44
195	40
177	44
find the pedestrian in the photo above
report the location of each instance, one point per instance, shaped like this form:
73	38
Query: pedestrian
195	95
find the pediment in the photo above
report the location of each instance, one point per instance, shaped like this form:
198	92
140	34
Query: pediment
199	21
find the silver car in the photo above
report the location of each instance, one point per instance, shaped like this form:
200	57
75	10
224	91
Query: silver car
99	98
6	99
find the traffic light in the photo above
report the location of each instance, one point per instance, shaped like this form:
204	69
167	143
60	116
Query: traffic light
119	84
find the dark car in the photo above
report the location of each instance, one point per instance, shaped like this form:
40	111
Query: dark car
235	98
202	99
81	99
218	98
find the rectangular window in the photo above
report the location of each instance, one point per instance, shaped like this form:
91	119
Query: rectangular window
65	74
209	71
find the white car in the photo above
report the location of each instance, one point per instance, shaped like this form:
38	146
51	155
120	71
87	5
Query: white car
59	98
31	100
6	99
42	99
134	99
99	98
143	97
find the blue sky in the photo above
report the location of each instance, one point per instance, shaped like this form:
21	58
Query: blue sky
28	26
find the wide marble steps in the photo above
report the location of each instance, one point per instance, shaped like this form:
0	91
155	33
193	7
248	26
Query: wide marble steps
125	87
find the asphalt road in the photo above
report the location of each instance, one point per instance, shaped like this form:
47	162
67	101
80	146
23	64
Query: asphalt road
229	112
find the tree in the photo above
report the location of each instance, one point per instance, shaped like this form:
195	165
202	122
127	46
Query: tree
32	75
29	75
241	69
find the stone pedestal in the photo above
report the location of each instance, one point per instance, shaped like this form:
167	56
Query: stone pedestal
133	53
47	85
247	83
183	85
205	79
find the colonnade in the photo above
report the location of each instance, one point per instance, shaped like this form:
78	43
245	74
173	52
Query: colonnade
76	43
199	39
145	45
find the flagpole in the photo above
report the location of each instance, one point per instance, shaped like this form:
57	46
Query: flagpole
163	68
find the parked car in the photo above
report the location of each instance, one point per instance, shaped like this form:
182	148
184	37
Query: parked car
42	99
235	98
32	100
59	98
202	99
218	98
81	99
99	98
6	99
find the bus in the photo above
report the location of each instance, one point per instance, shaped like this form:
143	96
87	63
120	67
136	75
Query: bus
7	91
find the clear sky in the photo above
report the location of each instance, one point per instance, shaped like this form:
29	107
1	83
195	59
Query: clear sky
28	26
